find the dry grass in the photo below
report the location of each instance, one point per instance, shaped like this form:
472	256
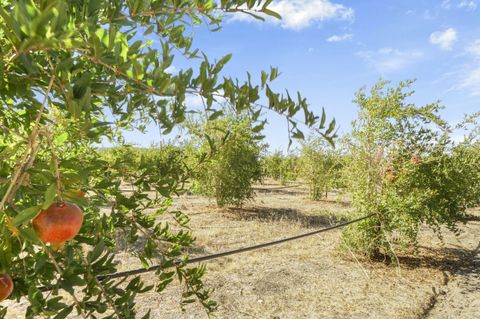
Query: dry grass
308	278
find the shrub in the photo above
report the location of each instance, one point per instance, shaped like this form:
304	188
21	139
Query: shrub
123	160
280	167
230	173
465	159
402	170
319	165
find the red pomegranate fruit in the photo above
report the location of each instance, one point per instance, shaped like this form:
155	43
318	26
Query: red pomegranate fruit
390	174
6	286
415	160
58	223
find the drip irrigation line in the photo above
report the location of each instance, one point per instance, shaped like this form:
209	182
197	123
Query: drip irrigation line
276	188
218	255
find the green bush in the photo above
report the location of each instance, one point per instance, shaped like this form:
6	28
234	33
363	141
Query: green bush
403	170
280	167
466	160
319	165
230	173
123	160
134	165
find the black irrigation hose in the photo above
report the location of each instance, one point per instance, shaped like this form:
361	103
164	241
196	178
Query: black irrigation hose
230	252
219	255
276	188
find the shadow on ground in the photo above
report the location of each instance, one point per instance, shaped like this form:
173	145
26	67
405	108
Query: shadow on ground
471	218
456	261
268	214
283	190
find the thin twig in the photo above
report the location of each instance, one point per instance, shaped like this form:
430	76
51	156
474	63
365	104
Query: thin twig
166	10
19	174
24	137
10	59
204	107
117	71
25	169
55	165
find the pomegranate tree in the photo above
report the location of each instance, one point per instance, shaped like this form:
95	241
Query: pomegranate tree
404	170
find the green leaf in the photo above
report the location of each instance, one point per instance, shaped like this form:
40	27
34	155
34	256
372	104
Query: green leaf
323	119
147	315
273	73
331	127
266	4
264	78
97	251
29	234
50	196
298	135
74	197
64	313
60	139
215	115
35	295
148	30
220	64
103	36
26	215
272	13
256	16
75	280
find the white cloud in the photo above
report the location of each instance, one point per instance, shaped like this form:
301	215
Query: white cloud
444	39
388	59
427	15
446	4
197	102
470	77
300	14
470	5
339	38
471	81
460	4
193	100
474	48
171	69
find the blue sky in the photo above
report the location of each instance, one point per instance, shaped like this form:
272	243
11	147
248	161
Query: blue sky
328	49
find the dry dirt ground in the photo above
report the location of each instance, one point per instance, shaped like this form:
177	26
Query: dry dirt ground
310	277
